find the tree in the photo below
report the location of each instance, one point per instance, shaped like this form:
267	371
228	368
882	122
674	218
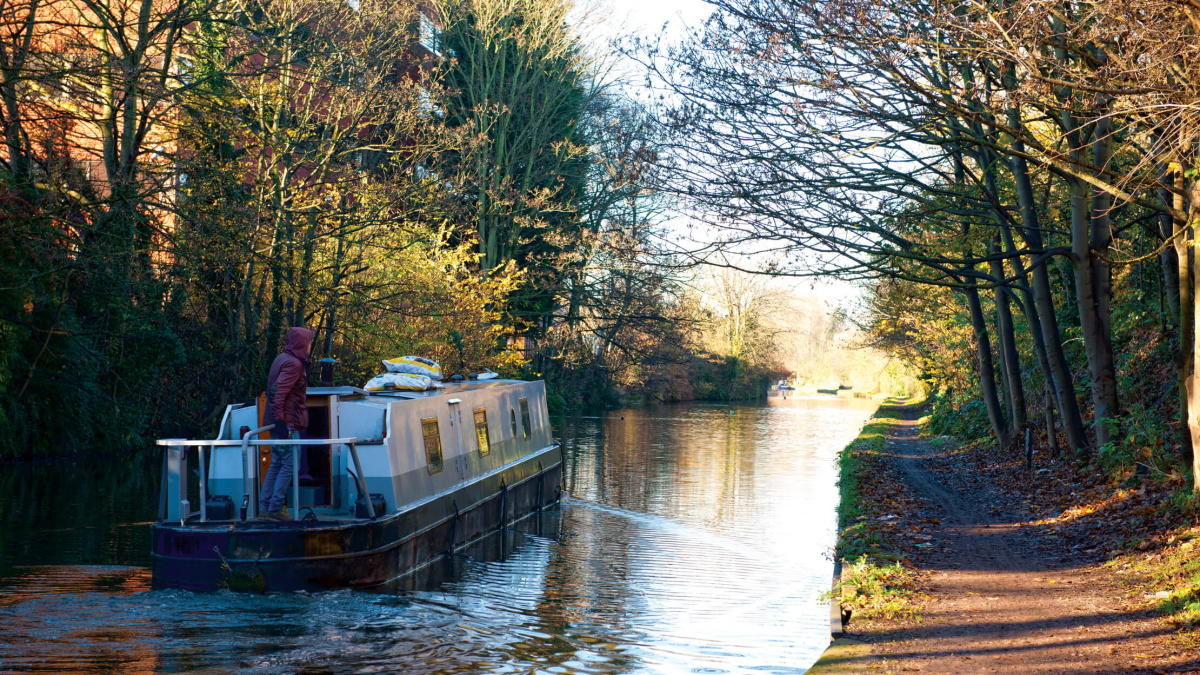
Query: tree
306	149
940	145
89	91
519	84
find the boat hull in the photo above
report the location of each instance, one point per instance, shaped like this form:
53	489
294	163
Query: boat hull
318	555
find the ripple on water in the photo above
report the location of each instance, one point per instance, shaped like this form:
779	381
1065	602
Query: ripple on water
695	546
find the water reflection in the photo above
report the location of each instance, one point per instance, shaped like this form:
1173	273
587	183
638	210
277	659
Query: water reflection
694	543
91	512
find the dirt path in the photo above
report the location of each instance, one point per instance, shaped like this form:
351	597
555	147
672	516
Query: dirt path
1005	597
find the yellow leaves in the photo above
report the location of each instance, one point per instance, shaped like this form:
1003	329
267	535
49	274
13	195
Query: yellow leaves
1078	511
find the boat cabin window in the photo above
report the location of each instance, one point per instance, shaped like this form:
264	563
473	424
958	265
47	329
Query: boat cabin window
512	417
481	431
433	443
525	416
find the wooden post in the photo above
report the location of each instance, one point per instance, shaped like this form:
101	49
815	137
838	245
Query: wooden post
1028	449
203	485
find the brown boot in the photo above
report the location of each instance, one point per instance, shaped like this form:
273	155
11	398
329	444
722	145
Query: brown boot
280	515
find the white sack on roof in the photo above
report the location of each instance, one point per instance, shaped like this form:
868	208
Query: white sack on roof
400	381
414	365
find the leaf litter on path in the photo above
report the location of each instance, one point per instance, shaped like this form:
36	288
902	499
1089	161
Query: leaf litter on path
1001	530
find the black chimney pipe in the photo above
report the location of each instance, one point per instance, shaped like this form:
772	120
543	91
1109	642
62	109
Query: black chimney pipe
327	365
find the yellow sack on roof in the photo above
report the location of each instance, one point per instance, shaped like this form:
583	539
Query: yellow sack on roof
414	365
400	381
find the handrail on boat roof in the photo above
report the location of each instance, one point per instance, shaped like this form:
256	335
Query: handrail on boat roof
183	442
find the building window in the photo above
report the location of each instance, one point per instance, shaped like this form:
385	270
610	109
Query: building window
433	444
523	346
430	36
525	417
481	432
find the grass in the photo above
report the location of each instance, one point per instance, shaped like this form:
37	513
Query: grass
876	584
855	537
877	590
1175	569
1184	604
871	441
1169	578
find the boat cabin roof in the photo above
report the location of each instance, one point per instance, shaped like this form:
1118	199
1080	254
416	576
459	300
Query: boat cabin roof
447	388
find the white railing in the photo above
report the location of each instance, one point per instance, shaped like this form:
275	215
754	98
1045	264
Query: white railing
175	466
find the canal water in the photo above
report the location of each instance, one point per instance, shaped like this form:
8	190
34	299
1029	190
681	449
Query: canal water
696	539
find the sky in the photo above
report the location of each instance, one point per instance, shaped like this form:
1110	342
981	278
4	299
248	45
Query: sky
648	16
648	19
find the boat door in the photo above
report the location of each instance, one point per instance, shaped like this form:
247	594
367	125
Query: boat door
319	464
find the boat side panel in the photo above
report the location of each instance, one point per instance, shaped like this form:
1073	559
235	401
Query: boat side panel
397	468
460	447
365	554
226	429
246	416
361	419
507	404
225	463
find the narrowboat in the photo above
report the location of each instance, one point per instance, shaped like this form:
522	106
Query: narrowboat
385	483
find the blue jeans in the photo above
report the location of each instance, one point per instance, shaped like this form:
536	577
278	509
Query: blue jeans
279	477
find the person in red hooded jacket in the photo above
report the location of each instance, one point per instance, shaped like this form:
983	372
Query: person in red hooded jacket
287	409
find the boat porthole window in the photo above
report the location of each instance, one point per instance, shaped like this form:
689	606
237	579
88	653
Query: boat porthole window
525	417
481	432
512	414
433	443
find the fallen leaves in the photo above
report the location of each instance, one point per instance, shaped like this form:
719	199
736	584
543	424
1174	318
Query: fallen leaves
1067	515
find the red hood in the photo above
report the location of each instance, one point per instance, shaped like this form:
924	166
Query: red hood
297	340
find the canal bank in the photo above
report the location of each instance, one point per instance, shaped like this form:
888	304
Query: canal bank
860	551
957	558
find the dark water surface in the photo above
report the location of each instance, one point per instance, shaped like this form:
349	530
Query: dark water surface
695	540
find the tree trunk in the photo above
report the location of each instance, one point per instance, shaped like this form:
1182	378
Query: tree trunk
1057	371
1186	337
1096	341
987	375
1169	258
1051	434
304	292
332	302
1089	322
275	315
1028	307
1193	391
1104	383
1008	347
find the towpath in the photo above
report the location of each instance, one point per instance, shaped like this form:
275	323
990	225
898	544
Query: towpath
1005	596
